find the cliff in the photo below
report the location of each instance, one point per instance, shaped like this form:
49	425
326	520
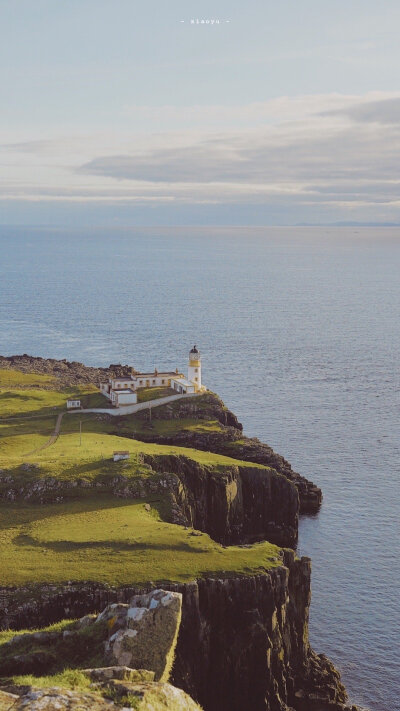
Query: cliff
243	641
227	439
234	504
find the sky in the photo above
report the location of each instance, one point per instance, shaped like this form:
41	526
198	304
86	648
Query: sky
115	112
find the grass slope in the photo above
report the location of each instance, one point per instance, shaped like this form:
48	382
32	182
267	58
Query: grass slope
113	541
95	537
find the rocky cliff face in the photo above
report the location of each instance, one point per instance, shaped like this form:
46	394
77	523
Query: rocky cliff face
236	504
231	442
67	373
251	645
243	642
232	505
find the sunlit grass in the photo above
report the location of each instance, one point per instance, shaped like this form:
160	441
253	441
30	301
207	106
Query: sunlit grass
108	540
96	536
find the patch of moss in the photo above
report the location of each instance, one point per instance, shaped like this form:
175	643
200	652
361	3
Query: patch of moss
59	651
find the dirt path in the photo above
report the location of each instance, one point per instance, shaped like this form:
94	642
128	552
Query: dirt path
52	439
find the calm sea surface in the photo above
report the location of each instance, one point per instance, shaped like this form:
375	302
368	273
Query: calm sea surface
299	331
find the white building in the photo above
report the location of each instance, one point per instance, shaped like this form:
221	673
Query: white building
123	396
73	404
123	391
194	369
181	385
123	454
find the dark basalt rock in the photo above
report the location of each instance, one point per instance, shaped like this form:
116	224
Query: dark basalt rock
243	641
236	504
229	440
67	373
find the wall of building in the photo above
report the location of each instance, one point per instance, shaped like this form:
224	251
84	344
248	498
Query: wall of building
153	381
194	372
126	399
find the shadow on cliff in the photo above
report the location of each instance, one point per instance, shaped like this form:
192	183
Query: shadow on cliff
24	540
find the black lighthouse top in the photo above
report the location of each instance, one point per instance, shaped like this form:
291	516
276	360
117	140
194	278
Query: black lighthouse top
194	350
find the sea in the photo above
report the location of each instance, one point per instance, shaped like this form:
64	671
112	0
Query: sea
299	331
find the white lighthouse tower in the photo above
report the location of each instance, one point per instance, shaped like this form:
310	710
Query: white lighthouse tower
194	368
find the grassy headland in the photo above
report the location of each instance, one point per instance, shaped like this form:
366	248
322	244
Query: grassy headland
94	535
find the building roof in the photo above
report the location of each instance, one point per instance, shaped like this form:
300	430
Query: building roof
194	350
155	375
183	381
124	391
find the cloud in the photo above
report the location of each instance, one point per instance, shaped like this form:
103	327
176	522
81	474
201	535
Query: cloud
320	152
337	156
385	112
37	146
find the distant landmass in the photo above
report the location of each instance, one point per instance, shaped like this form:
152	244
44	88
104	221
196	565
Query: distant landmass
347	223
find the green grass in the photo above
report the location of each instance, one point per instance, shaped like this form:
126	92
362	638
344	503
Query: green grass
82	648
14	378
36	402
68	459
66	679
146	394
29	402
108	540
141	424
96	536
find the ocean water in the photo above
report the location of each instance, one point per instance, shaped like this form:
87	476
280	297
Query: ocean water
299	331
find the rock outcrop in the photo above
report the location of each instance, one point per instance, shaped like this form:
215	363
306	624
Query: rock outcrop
144	633
146	696
233	504
228	440
243	641
67	373
139	635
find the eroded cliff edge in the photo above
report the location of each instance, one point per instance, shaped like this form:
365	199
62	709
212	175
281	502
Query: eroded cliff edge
227	439
243	641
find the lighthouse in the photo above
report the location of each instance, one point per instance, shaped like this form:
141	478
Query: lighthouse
194	368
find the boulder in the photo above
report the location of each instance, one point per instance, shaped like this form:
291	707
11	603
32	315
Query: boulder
155	696
60	700
147	696
105	674
143	635
7	701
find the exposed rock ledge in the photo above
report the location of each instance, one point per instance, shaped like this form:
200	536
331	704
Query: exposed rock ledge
236	505
67	373
243	641
151	696
229	441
